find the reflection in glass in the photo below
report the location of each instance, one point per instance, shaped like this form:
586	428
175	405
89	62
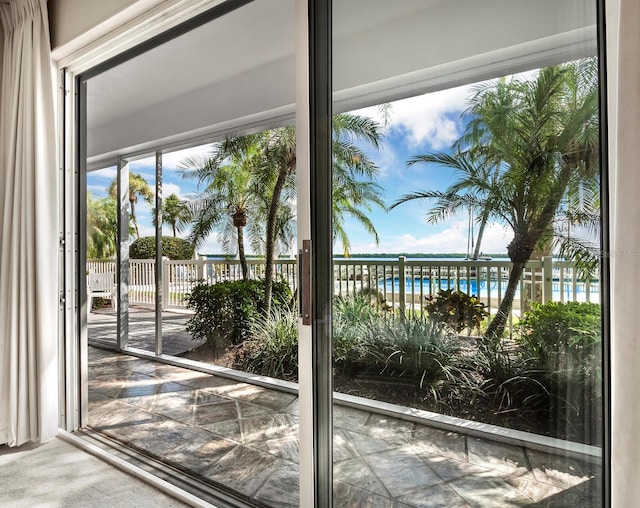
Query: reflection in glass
102	234
222	430
476	312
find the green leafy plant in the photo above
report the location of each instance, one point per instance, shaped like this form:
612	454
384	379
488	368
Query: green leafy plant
502	373
272	349
561	347
552	369
456	310
223	311
172	248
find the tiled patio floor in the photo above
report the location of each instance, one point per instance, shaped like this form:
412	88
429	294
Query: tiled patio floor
102	330
245	437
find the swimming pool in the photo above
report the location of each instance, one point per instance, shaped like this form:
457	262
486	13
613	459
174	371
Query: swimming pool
483	288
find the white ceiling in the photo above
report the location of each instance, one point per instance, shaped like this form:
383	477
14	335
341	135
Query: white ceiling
238	72
217	51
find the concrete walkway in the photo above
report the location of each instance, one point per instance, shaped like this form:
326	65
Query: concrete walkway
245	437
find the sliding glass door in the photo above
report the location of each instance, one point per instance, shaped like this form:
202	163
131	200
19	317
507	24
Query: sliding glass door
466	219
188	164
347	253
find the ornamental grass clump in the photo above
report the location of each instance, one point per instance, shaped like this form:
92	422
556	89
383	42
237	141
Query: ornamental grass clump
354	321
272	349
423	351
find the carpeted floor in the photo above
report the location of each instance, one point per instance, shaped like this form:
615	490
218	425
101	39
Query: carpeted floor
59	475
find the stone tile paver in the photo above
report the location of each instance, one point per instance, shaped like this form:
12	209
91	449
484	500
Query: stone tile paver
245	437
438	496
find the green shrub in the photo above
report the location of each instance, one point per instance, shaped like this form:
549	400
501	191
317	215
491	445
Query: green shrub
561	345
562	335
272	349
172	248
456	310
223	311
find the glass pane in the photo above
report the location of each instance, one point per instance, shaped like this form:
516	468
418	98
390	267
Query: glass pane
102	227
230	84
142	237
180	258
466	183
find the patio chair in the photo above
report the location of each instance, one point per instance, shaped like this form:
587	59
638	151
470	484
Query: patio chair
102	285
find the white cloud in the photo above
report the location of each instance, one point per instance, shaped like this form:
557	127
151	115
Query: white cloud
427	118
453	239
171	188
171	160
109	173
97	190
210	246
146	230
432	118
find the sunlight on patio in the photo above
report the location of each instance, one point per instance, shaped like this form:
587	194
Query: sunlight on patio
226	432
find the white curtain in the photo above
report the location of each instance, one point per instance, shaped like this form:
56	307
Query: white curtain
28	228
624	94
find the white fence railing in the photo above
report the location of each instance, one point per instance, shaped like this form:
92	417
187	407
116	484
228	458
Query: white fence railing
404	284
179	277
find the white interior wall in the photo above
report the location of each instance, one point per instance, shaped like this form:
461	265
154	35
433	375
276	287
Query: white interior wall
70	19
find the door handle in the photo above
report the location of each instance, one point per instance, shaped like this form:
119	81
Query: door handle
304	271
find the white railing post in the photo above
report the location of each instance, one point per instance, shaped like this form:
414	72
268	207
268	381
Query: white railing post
402	285
547	279
200	269
165	283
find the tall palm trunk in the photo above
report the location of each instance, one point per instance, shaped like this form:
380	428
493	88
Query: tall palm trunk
499	322
239	222
241	254
271	234
483	223
132	202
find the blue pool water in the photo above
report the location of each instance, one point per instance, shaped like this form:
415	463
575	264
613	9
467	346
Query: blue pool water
481	288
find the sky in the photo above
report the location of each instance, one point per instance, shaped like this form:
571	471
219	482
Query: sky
418	125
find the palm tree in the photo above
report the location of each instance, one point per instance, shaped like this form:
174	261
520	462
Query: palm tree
175	213
269	159
350	164
355	193
276	173
138	187
102	227
353	198
476	190
538	136
231	194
